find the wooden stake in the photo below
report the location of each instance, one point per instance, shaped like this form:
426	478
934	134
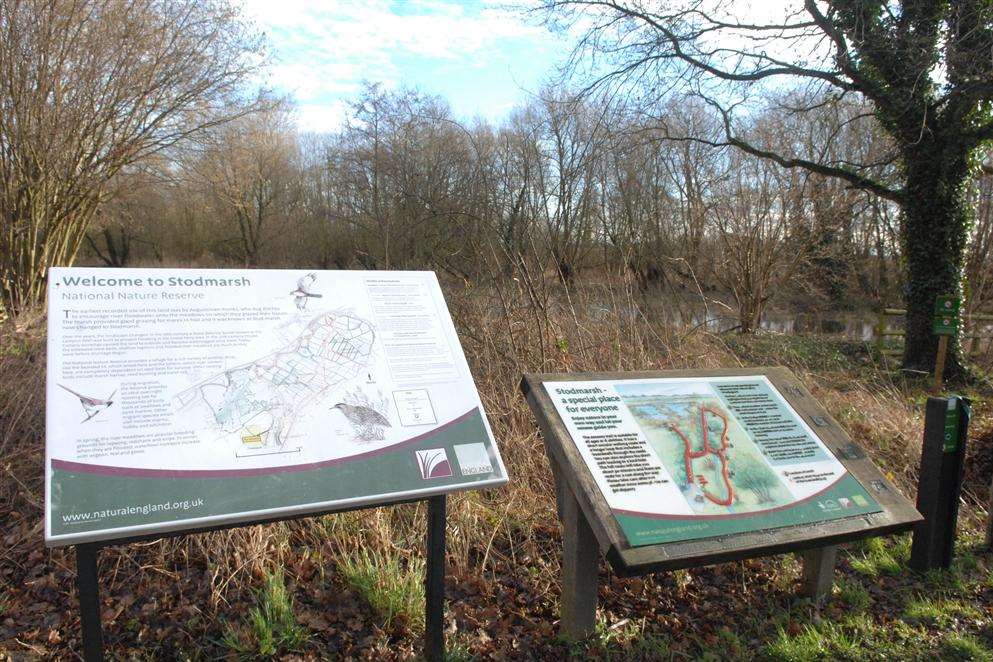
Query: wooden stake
580	556
818	572
939	362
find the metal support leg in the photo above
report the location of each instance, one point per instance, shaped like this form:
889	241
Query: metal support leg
818	572
88	590
580	555
434	582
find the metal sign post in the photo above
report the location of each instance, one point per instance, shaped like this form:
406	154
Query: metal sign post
434	582
946	428
88	584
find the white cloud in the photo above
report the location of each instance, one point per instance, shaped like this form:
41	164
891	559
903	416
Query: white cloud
321	117
323	50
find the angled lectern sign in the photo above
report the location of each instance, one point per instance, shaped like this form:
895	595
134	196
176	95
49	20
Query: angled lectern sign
190	399
674	469
680	458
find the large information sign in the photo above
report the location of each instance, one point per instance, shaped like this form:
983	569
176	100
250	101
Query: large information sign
188	398
694	457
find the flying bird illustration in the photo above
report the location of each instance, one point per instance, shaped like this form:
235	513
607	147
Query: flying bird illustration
302	293
92	406
366	421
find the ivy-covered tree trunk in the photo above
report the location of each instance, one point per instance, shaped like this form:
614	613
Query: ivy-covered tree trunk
935	228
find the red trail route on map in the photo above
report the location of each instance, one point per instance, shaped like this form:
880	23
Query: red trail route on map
689	455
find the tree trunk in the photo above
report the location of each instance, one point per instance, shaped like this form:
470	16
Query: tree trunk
934	233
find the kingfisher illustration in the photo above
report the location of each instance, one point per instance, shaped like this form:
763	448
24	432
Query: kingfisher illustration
302	293
92	406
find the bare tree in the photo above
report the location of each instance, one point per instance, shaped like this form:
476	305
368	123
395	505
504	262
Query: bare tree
572	136
924	66
248	171
758	209
88	87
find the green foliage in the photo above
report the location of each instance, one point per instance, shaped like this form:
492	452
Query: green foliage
853	594
963	647
393	586
942	613
272	629
875	558
855	637
806	353
458	651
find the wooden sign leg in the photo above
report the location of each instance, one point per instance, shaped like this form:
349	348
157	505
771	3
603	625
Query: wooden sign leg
939	363
434	582
88	590
580	556
818	572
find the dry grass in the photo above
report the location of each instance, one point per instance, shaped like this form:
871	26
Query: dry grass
505	333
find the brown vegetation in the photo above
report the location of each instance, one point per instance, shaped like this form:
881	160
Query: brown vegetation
191	595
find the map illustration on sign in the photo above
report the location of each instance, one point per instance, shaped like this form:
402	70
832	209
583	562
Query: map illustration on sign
261	400
717	465
685	458
182	398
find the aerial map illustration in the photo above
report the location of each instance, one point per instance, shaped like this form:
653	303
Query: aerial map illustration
717	465
262	399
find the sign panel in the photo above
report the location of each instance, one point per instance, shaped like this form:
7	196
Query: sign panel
185	398
953	417
685	458
946	315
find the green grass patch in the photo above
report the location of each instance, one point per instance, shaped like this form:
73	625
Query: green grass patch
393	586
271	629
963	647
853	594
943	613
856	637
806	352
874	557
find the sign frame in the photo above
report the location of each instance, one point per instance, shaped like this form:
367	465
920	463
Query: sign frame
88	578
107	283
897	514
87	545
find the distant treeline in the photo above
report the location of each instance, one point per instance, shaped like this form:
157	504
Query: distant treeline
560	188
134	132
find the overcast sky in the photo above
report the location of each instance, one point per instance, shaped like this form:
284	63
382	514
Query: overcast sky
484	59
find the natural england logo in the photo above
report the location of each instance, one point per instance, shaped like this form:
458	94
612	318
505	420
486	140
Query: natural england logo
473	459
433	463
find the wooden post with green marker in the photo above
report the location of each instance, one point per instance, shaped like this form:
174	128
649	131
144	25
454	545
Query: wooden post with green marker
946	323
946	428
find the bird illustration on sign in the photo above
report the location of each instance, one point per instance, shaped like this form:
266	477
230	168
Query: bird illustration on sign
368	419
304	292
92	406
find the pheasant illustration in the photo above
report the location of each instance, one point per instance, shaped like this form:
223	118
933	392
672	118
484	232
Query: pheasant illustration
92	406
302	293
366	421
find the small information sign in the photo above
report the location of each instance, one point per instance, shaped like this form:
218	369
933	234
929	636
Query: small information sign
946	315
953	416
182	399
681	468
